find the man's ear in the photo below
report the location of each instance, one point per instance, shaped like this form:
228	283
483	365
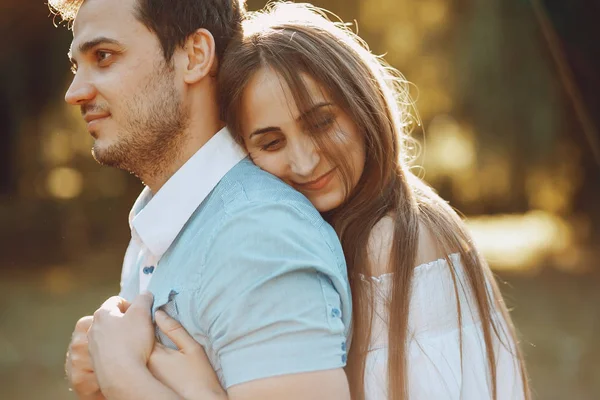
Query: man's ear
201	58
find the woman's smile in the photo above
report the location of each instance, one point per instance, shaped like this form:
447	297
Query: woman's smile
317	184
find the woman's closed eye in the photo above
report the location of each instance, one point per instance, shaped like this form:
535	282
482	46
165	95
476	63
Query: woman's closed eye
272	145
321	125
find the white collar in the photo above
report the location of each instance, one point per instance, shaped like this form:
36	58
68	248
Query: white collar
156	220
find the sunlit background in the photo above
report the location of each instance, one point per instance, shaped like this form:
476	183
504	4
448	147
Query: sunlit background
508	97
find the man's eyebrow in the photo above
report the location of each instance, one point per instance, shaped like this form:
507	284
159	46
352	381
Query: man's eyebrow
90	44
303	116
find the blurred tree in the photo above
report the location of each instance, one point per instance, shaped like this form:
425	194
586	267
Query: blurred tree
577	32
7	175
32	72
487	84
506	88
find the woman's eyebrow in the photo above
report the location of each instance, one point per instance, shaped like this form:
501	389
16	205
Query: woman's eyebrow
265	130
302	117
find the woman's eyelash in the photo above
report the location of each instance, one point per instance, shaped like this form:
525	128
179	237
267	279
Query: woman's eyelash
319	126
270	144
323	124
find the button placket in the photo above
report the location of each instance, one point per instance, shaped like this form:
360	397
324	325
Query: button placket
146	269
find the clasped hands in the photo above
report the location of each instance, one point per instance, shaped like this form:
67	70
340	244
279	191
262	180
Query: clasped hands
110	351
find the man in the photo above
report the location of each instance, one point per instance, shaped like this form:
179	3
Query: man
245	263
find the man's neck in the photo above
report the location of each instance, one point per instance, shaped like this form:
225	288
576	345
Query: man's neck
192	141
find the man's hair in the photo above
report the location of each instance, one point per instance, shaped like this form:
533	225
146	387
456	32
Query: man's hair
175	20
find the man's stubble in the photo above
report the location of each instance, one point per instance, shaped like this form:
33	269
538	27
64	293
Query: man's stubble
154	129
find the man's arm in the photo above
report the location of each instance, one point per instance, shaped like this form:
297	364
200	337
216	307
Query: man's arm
189	372
272	311
137	383
275	318
331	384
121	339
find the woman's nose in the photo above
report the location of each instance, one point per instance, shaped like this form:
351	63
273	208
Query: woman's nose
304	157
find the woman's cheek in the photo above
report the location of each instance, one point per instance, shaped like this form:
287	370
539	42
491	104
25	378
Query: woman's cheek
269	162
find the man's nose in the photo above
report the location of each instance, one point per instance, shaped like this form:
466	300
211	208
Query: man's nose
80	92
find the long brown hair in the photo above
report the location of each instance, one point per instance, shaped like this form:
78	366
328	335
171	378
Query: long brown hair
299	39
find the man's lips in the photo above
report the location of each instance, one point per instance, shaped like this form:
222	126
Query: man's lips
93	120
94	117
318	183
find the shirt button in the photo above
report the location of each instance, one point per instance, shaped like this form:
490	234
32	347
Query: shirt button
336	313
343	346
148	270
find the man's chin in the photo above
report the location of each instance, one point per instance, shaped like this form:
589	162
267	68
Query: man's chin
108	156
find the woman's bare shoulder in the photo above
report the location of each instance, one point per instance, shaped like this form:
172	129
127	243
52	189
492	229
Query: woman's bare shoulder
429	249
380	246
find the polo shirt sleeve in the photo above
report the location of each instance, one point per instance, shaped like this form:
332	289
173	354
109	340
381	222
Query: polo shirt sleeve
274	293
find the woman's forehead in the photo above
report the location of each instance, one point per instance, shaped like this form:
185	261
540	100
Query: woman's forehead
269	88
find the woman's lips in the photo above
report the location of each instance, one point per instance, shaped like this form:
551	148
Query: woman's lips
318	183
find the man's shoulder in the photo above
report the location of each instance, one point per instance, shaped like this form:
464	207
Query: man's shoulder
253	200
247	186
256	182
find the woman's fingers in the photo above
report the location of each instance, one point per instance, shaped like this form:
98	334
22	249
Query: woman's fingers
159	346
175	332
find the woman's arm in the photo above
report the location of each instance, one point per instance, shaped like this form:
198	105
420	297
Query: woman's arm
121	341
137	383
124	354
187	371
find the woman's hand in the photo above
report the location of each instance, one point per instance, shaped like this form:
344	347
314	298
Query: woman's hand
186	371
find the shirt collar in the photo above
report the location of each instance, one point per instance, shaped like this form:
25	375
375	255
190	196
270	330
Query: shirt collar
157	219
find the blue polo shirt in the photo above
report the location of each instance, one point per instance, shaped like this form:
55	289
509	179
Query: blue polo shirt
257	277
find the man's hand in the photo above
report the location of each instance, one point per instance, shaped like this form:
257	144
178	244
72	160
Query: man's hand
79	368
121	340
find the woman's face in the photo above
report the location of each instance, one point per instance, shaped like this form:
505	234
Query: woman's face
277	136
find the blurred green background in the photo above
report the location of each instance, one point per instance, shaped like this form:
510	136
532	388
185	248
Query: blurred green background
508	92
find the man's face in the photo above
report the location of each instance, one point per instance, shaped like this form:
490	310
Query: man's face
127	92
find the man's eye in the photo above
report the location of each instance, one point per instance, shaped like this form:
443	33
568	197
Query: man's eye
102	56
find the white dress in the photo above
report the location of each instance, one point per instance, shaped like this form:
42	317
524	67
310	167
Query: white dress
435	370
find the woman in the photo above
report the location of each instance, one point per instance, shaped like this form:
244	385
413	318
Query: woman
314	107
